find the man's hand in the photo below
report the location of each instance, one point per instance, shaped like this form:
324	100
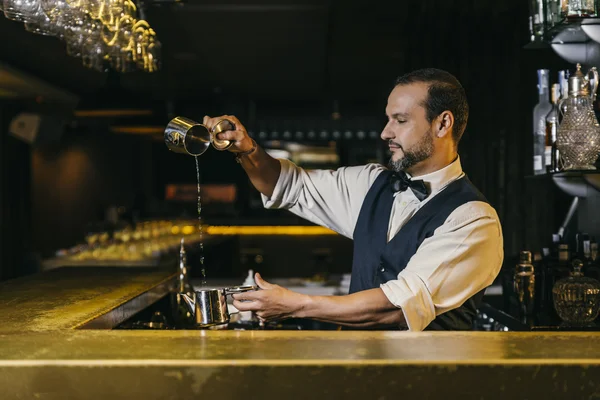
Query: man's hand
240	138
366	309
272	302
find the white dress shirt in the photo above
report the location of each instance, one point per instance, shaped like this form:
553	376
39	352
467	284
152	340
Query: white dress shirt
462	257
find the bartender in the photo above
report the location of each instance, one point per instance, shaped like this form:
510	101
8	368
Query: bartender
426	241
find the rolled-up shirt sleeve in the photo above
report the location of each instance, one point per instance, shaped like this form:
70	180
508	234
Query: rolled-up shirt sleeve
330	198
461	258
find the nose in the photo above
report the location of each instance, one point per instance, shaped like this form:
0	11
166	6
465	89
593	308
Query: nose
387	133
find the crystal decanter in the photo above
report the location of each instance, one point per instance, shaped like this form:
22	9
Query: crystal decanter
578	136
577	298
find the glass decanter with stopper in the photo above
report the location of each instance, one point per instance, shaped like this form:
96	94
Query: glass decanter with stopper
577	298
578	136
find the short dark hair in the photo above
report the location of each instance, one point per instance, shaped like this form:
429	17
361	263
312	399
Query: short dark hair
445	94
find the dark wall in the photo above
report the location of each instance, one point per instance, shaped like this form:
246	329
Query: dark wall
73	183
16	248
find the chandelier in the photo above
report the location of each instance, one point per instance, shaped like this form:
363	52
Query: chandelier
103	33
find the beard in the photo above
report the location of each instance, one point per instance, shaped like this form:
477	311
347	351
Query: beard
421	151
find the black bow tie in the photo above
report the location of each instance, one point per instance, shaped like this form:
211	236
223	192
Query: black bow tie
400	182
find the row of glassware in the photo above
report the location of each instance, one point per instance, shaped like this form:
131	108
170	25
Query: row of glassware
146	240
103	33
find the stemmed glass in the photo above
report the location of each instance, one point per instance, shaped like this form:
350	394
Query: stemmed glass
102	32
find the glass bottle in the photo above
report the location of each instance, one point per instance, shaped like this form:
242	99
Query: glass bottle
540	111
524	285
552	129
563	81
553	12
577	298
578	137
537	20
592	264
586	252
564	8
564	255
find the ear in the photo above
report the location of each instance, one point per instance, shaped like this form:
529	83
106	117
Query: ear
444	124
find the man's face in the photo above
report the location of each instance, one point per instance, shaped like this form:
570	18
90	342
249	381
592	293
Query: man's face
408	133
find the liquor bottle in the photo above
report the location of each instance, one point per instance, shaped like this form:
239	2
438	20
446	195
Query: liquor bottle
562	268
586	248
551	130
564	8
592	265
540	112
563	81
553	12
537	20
524	286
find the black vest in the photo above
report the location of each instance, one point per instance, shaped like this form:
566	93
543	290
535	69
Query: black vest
377	261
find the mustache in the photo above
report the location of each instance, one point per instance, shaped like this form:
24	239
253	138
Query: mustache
391	142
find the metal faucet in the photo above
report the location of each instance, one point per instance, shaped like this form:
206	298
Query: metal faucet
180	309
183	281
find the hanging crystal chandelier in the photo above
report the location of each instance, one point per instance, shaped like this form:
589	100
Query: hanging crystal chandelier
103	33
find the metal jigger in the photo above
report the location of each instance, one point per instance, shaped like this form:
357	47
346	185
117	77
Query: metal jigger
185	136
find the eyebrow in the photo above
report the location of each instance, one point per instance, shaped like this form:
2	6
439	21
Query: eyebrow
397	115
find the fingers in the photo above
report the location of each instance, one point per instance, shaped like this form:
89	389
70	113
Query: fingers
211	122
262	283
240	138
246	305
234	136
248	296
236	122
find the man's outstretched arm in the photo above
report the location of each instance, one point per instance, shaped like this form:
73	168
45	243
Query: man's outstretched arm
369	308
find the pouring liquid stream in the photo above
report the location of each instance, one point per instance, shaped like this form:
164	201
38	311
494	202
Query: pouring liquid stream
202	269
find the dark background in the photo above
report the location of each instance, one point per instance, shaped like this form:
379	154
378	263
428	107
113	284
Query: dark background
290	61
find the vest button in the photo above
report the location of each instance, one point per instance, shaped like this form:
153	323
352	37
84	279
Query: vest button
381	267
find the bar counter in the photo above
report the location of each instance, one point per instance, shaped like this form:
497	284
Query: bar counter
45	354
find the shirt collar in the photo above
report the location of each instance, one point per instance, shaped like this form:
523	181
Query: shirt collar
437	180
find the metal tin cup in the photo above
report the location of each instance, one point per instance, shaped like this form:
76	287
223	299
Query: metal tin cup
186	136
208	307
211	308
